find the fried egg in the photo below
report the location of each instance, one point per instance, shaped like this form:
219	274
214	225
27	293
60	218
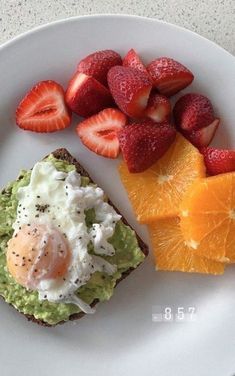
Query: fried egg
49	248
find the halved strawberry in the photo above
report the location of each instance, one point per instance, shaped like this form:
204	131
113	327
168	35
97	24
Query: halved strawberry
99	132
142	144
202	137
86	96
218	161
169	76
98	64
43	109
193	111
158	108
133	60
130	89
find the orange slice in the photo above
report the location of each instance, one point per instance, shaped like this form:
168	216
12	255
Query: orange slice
208	217
157	192
172	253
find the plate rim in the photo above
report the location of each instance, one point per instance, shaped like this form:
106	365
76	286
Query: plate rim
47	25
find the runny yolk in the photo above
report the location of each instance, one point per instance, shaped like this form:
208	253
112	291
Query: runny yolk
36	253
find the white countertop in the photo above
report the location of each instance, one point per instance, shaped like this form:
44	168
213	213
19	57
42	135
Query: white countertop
214	19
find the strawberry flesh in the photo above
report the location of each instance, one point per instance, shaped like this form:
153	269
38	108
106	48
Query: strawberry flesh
43	109
202	137
98	64
193	111
133	60
142	144
86	96
130	89
99	132
169	76
158	108
218	161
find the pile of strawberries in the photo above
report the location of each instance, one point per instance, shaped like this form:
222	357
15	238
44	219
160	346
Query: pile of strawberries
126	106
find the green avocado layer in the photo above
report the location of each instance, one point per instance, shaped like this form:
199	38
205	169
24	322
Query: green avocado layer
100	286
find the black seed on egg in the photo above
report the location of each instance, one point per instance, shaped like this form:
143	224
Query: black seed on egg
60	296
38	196
20	228
45	296
80	237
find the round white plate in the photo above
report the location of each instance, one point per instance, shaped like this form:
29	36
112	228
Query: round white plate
121	338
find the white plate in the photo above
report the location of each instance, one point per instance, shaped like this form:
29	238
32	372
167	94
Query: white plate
120	339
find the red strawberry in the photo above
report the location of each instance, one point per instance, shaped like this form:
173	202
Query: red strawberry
143	144
169	76
218	161
99	132
86	96
130	89
133	60
98	64
43	109
193	111
202	137
159	108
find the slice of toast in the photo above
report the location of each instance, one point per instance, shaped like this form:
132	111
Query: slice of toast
63	154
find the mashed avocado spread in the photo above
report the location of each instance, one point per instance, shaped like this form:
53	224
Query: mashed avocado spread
100	286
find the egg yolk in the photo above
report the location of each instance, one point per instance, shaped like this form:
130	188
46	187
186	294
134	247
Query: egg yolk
36	253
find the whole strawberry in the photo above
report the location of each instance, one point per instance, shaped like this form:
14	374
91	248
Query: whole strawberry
142	144
130	89
98	64
169	76
218	161
192	112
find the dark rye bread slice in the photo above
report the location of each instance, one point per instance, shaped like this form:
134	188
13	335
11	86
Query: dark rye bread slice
64	155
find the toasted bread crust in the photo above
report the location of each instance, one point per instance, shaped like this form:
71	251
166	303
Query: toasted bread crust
64	155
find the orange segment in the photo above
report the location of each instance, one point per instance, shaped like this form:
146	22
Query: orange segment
172	253
157	192
208	217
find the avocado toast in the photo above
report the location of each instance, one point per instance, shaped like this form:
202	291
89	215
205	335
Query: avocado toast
130	251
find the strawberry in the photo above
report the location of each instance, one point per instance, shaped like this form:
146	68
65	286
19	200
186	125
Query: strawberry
98	64
143	144
193	111
202	137
43	109
169	76
130	89
132	60
218	161
99	132
86	96
158	108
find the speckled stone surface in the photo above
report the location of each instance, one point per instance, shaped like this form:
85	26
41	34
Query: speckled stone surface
214	19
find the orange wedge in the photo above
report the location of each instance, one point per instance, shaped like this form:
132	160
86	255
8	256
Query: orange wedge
157	192
172	253
208	217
